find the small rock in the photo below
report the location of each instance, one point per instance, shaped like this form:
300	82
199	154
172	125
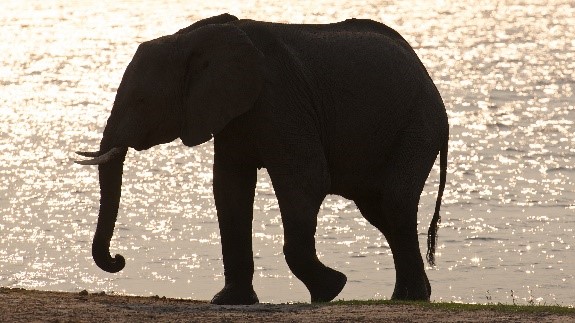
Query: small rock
84	293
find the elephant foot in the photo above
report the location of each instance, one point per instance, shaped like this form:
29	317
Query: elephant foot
411	292
233	294
327	287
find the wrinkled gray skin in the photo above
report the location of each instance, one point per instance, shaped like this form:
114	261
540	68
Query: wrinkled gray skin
344	108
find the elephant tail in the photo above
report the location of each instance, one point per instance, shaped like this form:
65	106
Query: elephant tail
434	225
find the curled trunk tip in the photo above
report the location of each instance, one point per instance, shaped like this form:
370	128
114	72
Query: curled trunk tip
103	259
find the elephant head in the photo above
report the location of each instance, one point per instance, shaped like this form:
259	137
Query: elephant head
187	85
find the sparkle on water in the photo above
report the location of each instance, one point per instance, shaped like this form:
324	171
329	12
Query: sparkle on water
505	72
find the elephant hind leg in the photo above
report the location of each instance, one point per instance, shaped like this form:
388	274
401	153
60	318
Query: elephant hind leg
411	282
402	183
393	210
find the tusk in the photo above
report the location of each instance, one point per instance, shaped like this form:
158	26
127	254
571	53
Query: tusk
90	154
102	159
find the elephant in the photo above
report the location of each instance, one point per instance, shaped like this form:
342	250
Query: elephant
345	108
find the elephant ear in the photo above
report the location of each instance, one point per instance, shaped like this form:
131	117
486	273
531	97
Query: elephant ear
223	79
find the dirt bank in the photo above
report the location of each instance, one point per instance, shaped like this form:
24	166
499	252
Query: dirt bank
18	305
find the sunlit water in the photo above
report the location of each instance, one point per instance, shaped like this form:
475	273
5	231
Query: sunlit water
506	73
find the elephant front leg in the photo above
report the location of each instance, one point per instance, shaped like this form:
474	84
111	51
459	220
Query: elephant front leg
293	154
234	188
299	216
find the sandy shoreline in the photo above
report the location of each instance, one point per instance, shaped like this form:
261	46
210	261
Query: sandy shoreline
19	305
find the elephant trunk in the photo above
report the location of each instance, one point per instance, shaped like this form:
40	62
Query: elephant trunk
110	174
